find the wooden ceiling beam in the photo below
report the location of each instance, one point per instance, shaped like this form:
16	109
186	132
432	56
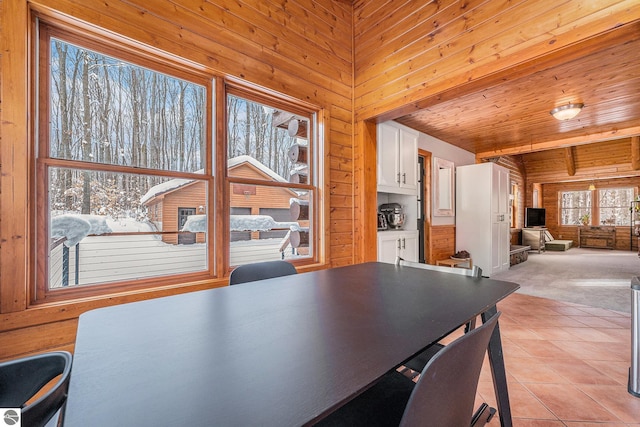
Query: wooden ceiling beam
529	147
570	161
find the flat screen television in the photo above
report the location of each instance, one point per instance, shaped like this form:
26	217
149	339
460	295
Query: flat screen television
534	217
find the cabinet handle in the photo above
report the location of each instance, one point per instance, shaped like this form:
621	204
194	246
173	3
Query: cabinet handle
404	178
399	244
404	243
398	178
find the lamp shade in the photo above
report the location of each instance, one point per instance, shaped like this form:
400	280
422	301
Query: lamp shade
566	112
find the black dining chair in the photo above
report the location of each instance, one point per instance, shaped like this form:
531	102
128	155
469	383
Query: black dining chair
443	396
417	363
260	270
475	271
22	379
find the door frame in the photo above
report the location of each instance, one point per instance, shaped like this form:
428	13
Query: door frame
424	223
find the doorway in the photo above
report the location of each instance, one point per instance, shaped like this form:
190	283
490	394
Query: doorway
424	205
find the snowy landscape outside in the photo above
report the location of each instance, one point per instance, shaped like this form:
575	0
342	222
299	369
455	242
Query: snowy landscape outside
126	188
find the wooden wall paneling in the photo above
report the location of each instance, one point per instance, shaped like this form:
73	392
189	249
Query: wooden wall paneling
489	50
564	141
238	19
591	160
365	186
209	42
602	155
391	28
32	326
14	128
443	242
37	338
368	10
303	50
431	37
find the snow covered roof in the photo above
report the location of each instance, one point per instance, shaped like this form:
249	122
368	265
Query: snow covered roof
236	161
164	187
173	184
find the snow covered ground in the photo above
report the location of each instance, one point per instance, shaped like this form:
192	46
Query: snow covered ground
108	258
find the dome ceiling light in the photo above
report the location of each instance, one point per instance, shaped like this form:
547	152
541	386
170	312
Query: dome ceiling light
567	112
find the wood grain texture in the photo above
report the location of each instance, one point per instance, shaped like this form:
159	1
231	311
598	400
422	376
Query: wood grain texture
14	185
443	242
302	49
485	35
365	204
513	116
595	161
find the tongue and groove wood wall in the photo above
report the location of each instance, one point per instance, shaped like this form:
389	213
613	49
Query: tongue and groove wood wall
302	49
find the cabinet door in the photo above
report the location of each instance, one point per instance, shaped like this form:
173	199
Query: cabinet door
500	236
387	247
408	161
409	247
387	155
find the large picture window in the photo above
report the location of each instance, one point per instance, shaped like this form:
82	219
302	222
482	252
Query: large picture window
123	146
125	166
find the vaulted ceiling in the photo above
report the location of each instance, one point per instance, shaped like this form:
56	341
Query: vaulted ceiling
508	113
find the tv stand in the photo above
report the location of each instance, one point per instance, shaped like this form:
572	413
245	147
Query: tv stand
534	237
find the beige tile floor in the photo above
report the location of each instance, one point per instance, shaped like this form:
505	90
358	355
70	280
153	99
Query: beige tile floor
567	365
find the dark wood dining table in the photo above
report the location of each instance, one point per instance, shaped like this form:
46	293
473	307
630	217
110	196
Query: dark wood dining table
277	352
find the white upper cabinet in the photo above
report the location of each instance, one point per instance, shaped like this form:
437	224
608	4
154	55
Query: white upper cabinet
397	159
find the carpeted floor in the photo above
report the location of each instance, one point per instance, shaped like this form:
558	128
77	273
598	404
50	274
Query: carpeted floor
593	277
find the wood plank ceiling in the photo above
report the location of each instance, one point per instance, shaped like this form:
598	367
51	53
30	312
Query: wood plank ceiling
509	113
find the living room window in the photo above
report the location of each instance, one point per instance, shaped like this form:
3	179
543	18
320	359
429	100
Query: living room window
613	205
124	142
271	179
575	207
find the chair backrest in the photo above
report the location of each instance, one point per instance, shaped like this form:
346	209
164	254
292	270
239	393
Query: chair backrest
21	379
260	270
475	271
445	393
